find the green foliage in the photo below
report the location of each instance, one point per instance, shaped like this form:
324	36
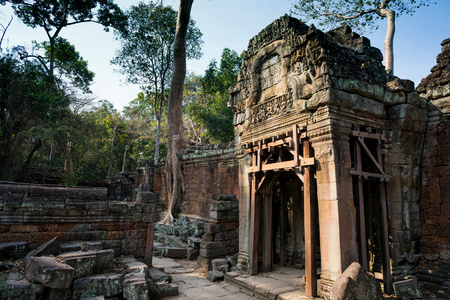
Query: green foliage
207	98
145	55
68	63
361	15
53	15
29	105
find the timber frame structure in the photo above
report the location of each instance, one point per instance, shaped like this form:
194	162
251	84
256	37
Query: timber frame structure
363	155
289	151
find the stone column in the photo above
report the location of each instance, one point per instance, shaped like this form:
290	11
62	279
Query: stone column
337	218
244	214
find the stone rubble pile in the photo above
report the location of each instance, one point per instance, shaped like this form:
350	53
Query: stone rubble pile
204	239
86	271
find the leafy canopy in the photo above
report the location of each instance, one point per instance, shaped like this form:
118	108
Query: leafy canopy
361	15
145	55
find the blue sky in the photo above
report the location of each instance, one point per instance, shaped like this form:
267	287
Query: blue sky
231	24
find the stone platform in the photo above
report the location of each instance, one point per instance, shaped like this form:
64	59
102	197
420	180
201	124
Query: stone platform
281	284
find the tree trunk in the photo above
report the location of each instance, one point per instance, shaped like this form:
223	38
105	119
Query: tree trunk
68	160
158	133
177	139
125	155
389	40
112	151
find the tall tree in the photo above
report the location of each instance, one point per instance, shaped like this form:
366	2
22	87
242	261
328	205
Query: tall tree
177	138
145	55
360	15
53	16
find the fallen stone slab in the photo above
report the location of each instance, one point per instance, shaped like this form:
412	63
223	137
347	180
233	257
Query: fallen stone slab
173	252
215	275
80	246
82	262
167	289
135	287
13	250
99	285
17	286
356	283
51	247
159	276
49	272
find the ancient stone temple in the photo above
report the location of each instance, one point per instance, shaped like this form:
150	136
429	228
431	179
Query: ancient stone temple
330	155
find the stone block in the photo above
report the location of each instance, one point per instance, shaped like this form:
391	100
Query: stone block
224	215
173	242
173	252
215	275
82	262
167	289
17	286
135	267
98	285
194	242
220	264
105	260
408	288
356	283
198	225
210	253
13	250
56	294
159	276
49	272
135	287
153	291
192	253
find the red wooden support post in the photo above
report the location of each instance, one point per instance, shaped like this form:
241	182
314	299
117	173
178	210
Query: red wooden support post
296	144
267	248
361	213
387	276
310	228
283	220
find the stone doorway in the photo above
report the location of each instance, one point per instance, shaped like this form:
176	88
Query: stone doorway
283	167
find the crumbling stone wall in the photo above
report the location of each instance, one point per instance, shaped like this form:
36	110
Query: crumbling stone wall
38	213
435	200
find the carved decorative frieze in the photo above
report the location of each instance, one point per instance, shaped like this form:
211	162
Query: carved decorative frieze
272	107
